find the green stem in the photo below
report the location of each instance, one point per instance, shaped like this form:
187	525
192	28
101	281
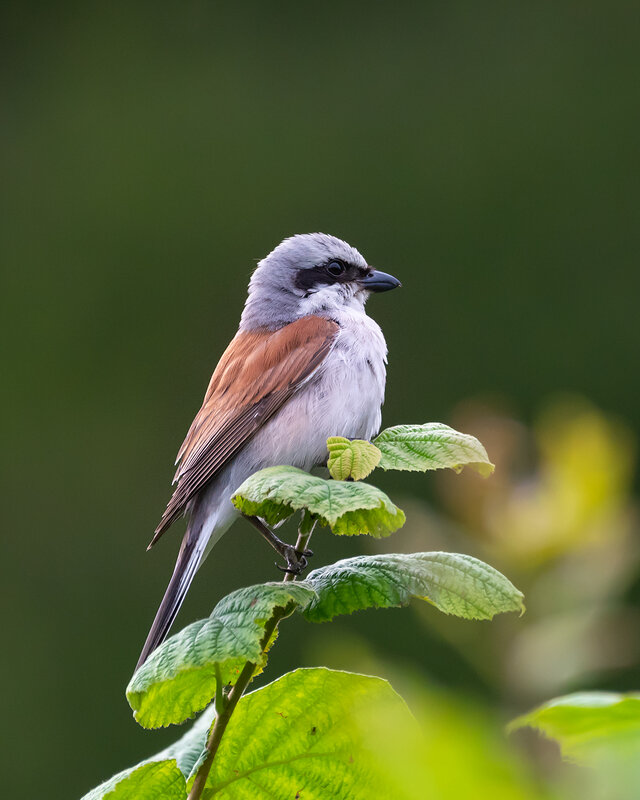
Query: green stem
225	709
220	700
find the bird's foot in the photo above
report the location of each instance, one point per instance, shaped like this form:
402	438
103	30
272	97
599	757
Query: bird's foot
297	560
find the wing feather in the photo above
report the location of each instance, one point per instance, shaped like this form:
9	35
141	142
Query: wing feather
258	373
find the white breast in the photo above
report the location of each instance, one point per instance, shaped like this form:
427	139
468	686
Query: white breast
347	392
354	376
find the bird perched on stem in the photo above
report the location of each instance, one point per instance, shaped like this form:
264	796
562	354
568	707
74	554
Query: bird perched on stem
306	363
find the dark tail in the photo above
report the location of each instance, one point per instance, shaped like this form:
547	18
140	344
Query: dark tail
183	573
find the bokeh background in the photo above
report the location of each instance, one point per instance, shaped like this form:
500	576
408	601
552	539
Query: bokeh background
485	153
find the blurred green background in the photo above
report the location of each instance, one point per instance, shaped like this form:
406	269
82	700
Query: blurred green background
485	153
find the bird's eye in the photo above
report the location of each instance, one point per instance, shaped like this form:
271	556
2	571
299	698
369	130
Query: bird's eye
335	268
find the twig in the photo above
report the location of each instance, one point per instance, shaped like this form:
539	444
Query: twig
220	700
225	708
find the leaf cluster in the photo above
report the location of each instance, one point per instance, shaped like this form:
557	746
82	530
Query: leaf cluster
307	734
345	504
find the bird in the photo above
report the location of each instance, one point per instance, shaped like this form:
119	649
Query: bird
307	363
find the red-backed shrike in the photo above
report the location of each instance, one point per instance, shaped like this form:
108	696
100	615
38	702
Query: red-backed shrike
307	363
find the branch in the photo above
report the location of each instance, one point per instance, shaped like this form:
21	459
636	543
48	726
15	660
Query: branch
225	708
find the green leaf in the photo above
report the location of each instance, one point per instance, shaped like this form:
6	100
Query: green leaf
347	508
179	678
461	754
143	782
589	725
189	750
456	584
419	448
163	775
351	459
306	735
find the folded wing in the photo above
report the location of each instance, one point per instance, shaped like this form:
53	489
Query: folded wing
258	373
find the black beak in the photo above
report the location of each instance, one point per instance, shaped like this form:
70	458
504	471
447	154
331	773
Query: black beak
377	281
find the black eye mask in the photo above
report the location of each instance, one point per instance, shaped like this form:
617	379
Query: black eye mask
328	274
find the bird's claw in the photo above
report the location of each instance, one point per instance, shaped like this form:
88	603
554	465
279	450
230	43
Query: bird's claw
295	571
297	560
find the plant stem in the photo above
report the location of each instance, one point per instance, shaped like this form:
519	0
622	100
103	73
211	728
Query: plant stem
225	710
302	543
220	700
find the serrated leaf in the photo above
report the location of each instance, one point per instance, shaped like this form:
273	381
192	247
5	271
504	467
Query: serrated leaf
164	774
179	678
419	448
304	736
347	508
455	584
143	782
589	725
189	750
351	459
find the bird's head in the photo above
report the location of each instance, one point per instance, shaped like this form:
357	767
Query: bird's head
311	273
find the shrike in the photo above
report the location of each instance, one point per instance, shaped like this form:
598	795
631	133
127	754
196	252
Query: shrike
306	363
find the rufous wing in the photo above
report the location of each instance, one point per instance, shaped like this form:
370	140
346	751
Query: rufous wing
258	373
